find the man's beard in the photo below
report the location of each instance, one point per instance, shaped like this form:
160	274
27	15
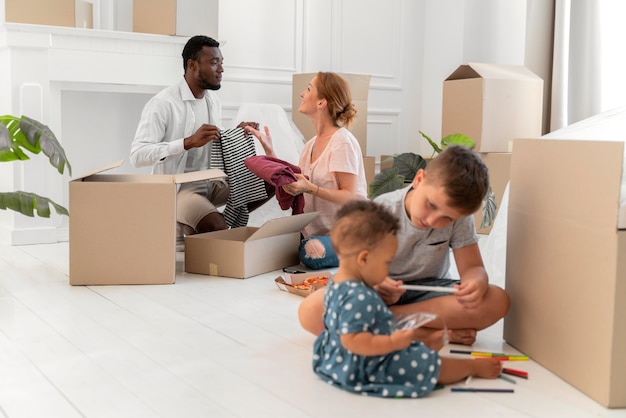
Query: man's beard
209	86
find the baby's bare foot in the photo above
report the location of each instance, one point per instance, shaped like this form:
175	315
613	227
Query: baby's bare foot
463	336
488	369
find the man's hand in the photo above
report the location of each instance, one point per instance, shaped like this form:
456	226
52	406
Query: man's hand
390	290
204	135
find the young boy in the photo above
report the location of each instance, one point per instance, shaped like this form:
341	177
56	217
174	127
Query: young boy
435	214
362	349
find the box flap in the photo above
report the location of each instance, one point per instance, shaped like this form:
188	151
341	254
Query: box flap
111	166
504	72
285	225
493	71
463	72
212	173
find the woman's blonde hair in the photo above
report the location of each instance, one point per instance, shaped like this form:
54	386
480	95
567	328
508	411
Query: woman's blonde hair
336	91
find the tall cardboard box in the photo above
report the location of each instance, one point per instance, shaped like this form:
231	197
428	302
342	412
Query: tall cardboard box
359	88
247	251
566	263
492	104
176	17
41	12
123	226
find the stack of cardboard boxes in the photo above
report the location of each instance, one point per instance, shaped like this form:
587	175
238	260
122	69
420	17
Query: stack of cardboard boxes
493	105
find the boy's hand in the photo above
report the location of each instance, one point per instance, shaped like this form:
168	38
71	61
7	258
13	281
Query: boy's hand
390	290
471	291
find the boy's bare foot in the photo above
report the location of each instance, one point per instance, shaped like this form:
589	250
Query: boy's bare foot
463	336
434	339
485	368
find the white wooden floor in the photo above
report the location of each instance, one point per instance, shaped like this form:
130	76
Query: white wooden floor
203	347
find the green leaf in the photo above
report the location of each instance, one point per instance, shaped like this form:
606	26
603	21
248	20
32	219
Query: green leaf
432	143
489	209
408	164
32	136
386	181
27	203
458	139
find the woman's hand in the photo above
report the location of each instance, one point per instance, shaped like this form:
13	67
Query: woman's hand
302	185
264	139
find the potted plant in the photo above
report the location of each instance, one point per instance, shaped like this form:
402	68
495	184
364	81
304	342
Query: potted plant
407	164
17	137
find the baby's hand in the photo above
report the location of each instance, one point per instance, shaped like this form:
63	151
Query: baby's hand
401	339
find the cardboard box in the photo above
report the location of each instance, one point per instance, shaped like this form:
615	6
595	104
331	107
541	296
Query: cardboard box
492	104
287	284
247	251
41	12
123	226
176	17
359	88
499	165
566	263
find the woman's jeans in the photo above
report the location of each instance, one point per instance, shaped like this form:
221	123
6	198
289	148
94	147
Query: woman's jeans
317	252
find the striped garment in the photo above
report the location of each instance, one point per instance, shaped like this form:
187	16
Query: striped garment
228	154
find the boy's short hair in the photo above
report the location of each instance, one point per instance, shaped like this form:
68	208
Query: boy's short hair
360	224
463	175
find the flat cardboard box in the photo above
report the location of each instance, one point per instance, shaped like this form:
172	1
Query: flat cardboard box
499	165
41	12
492	104
359	88
247	251
123	226
176	17
286	284
566	263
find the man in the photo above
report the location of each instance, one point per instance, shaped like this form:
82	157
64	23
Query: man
176	132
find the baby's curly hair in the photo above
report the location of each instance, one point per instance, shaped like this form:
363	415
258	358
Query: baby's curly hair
360	224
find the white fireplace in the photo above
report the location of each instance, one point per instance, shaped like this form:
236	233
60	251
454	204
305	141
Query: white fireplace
89	87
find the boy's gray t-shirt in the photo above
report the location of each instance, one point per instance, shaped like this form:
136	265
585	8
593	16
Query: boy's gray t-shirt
424	253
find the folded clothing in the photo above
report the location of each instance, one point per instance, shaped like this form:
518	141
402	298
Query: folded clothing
278	172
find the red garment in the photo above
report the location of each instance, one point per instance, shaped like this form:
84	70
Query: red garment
277	173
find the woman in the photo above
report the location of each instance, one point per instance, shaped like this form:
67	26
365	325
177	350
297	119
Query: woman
331	164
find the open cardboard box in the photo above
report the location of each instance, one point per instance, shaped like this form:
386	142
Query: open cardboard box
566	262
123	226
287	284
492	104
247	251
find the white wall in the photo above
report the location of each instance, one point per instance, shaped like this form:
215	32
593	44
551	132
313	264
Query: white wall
97	81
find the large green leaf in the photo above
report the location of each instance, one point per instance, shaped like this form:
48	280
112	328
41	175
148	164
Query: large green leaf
408	164
33	136
386	181
458	139
27	203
